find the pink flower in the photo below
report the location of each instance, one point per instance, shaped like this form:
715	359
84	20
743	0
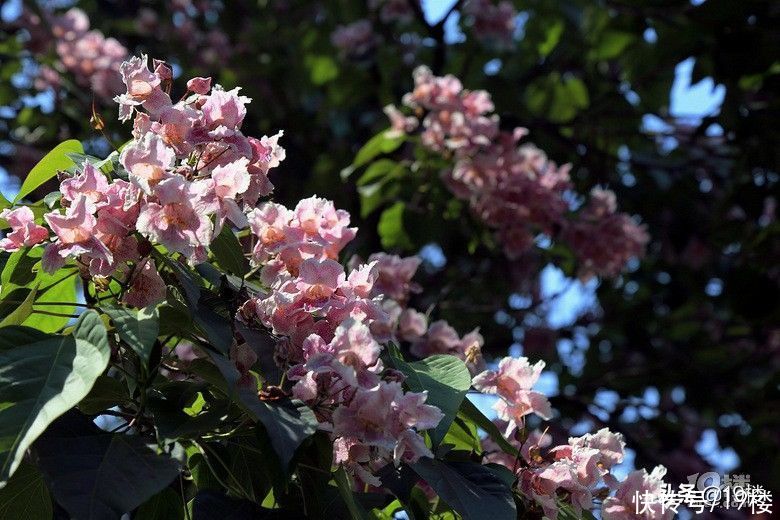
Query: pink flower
76	236
91	183
244	358
266	154
25	232
394	10
623	506
513	383
544	483
146	286
611	446
412	324
603	239
491	23
147	160
143	87
178	220
226	185
399	123
174	126
382	417
93	59
224	109
318	280
354	346
395	275
413	412
270	224
441	338
360	282
320	220
199	85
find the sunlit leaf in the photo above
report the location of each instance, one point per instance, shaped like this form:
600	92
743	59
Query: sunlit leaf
42	379
47	168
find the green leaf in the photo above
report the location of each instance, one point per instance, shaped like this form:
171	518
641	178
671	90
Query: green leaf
446	379
19	311
383	142
98	475
566	512
228	252
214	326
167	402
557	98
463	435
391	228
48	167
287	423
23	270
19	270
472	413
166	505
26	496
57	287
322	69
376	171
106	393
611	45
246	463
469	488
138	328
356	511
552	37
4	203
41	380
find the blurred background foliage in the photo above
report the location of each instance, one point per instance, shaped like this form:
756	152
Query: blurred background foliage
681	353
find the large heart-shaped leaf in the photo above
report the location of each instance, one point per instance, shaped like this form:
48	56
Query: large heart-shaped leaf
23	270
446	378
166	505
356	511
48	167
287	423
42	378
15	310
472	413
469	488
96	475
26	496
214	326
227	250
136	327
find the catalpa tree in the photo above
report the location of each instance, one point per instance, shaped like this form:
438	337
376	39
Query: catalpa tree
176	344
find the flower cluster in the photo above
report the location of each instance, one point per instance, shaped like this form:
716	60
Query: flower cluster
600	223
513	383
25	232
492	23
575	473
513	187
190	171
88	55
330	320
